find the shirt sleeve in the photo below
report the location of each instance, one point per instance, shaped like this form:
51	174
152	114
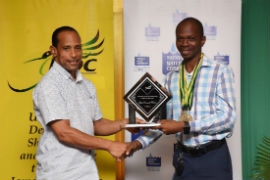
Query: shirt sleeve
224	114
148	137
50	103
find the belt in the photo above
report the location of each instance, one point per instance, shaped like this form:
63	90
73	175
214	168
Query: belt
201	149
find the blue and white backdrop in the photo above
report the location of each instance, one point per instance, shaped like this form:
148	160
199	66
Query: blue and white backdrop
149	34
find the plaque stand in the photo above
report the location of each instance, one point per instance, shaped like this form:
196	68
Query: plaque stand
131	114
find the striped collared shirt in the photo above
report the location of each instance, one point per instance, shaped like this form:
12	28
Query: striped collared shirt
213	109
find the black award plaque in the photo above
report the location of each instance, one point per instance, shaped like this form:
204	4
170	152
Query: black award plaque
146	97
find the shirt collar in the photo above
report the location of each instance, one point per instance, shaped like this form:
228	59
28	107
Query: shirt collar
206	62
65	73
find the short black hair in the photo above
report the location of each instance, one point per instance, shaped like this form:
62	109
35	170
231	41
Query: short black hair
59	30
196	21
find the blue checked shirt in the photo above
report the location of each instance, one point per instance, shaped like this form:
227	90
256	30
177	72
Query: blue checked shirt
213	109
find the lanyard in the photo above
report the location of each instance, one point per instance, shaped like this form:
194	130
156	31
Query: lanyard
187	89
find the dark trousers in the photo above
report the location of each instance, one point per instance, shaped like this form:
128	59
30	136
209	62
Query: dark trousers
213	165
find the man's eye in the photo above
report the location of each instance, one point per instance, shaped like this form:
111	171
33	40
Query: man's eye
180	39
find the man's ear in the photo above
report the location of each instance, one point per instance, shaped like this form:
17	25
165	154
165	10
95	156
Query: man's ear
203	41
53	51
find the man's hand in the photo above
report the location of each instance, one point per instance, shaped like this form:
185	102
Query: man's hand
136	130
118	150
140	121
133	147
170	126
122	150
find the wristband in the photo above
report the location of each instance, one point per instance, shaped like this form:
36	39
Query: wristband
186	127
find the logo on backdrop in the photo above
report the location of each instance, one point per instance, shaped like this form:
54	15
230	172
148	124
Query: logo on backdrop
222	59
178	16
153	163
141	63
171	60
210	31
152	33
91	50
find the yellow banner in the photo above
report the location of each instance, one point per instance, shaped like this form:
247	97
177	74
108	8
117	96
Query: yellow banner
25	35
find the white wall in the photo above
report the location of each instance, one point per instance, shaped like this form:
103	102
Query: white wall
149	27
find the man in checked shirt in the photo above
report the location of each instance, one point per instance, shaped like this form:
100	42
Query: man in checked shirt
201	113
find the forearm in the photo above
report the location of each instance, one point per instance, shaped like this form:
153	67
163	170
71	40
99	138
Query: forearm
105	127
78	139
221	119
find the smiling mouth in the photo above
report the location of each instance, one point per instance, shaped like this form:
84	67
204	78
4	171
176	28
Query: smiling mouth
75	62
185	51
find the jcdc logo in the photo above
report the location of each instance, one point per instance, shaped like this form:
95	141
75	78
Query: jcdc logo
91	50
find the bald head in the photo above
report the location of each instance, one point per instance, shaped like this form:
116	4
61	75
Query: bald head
194	21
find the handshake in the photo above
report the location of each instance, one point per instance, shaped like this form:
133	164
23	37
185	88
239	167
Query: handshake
121	150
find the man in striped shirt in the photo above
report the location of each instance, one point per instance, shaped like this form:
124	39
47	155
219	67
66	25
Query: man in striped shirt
201	112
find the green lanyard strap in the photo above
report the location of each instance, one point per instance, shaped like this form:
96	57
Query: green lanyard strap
187	89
